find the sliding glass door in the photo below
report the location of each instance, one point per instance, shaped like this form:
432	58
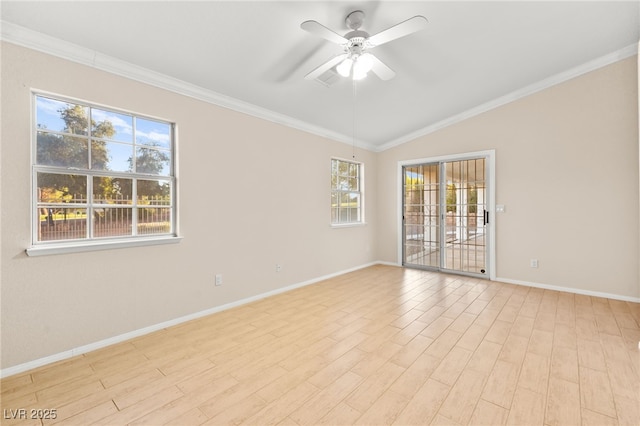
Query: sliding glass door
421	216
445	216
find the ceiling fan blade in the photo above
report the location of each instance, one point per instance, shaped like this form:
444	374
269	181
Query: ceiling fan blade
402	29
380	69
325	67
321	31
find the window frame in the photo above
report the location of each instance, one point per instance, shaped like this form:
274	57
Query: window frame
360	192
89	241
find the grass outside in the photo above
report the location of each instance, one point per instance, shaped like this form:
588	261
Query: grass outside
61	216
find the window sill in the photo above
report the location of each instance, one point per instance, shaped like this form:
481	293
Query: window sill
348	225
50	249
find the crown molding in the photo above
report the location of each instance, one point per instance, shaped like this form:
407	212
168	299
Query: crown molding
25	37
34	40
517	94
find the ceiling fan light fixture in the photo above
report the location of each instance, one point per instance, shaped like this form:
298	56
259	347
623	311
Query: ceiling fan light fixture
359	74
362	66
344	67
364	63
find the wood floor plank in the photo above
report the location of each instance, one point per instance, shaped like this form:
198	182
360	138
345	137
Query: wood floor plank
564	363
514	349
545	320
424	405
380	345
590	355
452	365
326	399
563	403
485	356
285	382
409	332
384	411
462	322
91	415
487	413
411	351
463	397
541	342
337	368
564	336
10	384
443	344
473	336
373	386
281	408
595	392
237	413
501	384
239	392
523	326
127	415
498	332
529	309
440	420
415	375
342	414
528	408
534	373
628	410
192	417
591	418
607	324
487	316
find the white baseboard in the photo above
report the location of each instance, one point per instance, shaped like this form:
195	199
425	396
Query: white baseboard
10	371
381	262
570	290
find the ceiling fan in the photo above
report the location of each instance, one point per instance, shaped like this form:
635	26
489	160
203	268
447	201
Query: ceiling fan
356	60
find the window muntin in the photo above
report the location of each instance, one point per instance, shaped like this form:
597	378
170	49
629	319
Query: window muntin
346	192
100	174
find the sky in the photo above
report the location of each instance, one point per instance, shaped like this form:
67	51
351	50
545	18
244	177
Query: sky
122	145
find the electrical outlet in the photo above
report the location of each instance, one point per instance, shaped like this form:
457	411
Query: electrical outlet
218	279
278	268
534	263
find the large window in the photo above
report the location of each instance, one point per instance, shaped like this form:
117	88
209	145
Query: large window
346	192
100	174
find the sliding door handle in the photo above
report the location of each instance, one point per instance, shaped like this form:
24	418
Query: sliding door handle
486	217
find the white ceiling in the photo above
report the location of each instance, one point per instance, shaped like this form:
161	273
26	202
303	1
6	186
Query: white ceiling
253	56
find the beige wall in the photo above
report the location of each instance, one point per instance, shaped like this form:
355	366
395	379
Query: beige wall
252	194
567	172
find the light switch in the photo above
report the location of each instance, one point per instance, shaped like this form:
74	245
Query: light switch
500	208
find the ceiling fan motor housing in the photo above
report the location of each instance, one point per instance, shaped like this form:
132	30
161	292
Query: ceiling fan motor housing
356	45
354	19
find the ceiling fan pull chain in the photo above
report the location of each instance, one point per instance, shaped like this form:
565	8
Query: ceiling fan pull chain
353	153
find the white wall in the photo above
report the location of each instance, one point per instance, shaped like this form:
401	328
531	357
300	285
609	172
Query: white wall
567	172
252	194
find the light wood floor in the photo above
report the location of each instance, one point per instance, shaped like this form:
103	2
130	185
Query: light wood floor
383	345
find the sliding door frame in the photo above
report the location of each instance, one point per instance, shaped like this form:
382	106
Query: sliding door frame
491	202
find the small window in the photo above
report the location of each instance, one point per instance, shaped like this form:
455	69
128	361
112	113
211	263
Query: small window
100	174
346	192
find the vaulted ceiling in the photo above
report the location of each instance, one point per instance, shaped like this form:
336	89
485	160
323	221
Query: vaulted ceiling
253	56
